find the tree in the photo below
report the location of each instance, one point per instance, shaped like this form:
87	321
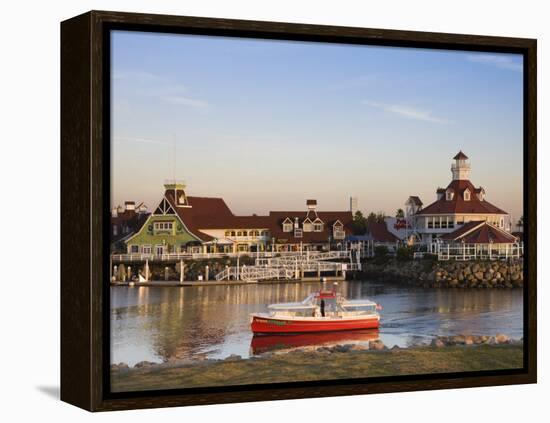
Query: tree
520	223
380	216
359	224
371	218
399	214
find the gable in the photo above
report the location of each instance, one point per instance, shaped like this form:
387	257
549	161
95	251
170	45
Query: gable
164	208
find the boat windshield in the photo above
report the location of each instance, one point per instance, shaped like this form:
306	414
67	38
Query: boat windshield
360	308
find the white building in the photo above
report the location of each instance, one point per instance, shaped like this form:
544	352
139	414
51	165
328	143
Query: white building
457	204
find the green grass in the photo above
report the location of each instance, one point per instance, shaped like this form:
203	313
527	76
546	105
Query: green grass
308	366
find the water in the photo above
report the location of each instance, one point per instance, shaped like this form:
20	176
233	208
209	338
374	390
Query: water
168	323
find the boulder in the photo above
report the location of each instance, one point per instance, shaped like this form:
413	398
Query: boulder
233	357
359	347
143	364
376	345
500	338
438	343
343	348
120	367
457	340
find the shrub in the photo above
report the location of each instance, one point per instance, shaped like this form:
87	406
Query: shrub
405	253
381	254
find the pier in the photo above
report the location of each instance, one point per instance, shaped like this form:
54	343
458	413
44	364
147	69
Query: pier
266	266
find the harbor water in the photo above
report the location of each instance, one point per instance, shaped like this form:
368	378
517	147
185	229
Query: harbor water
162	324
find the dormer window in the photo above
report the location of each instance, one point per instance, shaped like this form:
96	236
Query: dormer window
338	230
308	226
449	195
481	194
288	225
318	227
466	194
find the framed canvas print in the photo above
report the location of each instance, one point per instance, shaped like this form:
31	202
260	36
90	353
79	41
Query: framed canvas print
255	211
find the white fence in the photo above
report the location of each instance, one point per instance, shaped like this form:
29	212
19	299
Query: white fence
291	266
197	256
464	252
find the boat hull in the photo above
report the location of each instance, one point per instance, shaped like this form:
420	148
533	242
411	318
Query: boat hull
266	325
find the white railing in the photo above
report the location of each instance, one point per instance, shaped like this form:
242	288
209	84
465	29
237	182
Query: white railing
247	238
290	266
464	252
189	256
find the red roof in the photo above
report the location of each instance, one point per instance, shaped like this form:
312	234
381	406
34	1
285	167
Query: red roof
380	233
127	222
329	218
480	233
460	156
458	204
213	213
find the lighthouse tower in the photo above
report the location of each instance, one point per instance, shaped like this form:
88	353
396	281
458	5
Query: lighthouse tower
460	168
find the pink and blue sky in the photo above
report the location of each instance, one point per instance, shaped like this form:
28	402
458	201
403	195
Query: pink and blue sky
266	124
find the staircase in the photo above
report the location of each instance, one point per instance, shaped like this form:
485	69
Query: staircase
289	266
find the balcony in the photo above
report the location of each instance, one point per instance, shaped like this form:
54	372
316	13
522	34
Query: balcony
248	238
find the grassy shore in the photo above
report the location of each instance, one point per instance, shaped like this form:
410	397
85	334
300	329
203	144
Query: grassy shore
307	366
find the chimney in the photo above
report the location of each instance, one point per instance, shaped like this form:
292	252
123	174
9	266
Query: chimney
296	223
129	205
114	212
311	204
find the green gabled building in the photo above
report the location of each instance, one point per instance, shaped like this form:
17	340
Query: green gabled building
169	229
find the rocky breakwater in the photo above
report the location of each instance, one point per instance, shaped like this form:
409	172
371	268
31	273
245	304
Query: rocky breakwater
469	274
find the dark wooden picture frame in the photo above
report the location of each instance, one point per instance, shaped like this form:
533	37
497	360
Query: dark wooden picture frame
85	173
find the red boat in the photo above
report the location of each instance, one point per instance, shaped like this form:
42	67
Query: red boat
320	312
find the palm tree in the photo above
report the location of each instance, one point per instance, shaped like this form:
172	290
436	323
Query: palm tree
520	223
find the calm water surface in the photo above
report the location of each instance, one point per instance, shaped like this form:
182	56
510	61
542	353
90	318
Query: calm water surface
168	323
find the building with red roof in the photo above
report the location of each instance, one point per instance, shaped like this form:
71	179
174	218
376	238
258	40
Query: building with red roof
182	224
460	203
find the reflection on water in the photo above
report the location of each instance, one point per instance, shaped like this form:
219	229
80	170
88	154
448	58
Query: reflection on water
274	343
169	323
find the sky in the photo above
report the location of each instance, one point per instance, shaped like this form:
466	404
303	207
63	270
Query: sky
268	124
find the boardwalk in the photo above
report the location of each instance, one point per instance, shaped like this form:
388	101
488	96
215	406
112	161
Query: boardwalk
293	266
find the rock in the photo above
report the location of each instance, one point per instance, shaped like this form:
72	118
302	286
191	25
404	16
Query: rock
120	367
438	343
502	339
343	348
491	340
359	347
479	275
233	357
458	340
143	364
469	340
395	347
376	345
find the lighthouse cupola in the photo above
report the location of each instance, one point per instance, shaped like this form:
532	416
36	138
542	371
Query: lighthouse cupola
460	168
